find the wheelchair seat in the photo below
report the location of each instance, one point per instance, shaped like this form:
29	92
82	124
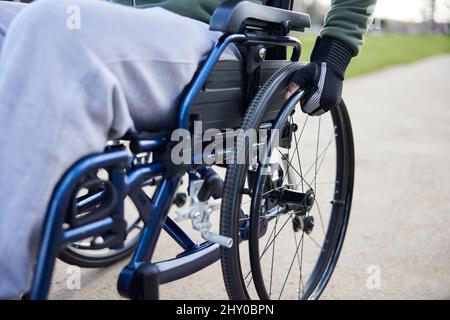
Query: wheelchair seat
235	16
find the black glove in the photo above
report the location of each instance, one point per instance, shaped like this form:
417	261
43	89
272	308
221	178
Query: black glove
322	78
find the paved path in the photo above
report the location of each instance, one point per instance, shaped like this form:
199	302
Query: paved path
400	224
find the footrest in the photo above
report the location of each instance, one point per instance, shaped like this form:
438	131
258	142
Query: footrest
145	283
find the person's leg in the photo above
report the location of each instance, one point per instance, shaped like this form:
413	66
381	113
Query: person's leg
8	10
72	75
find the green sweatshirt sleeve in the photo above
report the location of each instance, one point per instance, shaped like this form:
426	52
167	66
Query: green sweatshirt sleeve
348	21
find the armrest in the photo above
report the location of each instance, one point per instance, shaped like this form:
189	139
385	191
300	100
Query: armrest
233	16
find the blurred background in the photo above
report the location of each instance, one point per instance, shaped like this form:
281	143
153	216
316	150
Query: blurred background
402	31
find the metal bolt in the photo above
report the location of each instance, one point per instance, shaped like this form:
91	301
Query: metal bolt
262	53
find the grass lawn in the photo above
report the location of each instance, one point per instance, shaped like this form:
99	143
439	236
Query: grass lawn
380	51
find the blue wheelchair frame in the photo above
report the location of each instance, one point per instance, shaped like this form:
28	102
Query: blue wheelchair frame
116	159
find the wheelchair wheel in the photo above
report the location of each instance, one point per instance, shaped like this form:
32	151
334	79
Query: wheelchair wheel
87	253
288	216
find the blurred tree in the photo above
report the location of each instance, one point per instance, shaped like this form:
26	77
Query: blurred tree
433	8
316	9
433	15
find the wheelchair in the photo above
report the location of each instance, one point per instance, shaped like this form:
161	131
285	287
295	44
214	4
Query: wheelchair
283	212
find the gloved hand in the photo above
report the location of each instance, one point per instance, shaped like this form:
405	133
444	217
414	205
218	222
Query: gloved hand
322	78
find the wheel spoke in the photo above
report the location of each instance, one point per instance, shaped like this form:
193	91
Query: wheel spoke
290	268
296	171
265	247
276	235
321	154
317	153
300	262
273	257
298	158
320	216
316	243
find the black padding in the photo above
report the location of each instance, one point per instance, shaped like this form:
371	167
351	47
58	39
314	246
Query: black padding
221	104
234	16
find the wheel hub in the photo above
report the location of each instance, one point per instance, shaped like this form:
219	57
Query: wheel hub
305	223
293	200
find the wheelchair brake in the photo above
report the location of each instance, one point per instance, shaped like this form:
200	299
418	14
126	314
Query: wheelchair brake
199	212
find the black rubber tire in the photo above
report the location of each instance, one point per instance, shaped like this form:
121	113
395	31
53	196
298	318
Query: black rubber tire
70	256
236	174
